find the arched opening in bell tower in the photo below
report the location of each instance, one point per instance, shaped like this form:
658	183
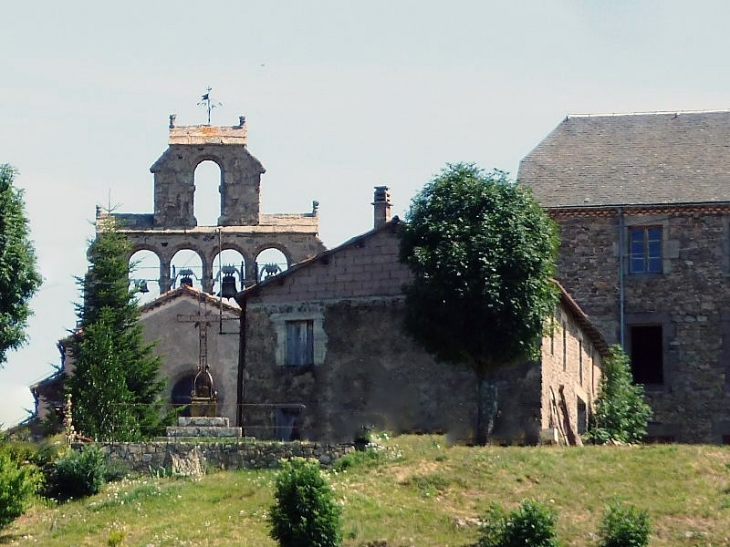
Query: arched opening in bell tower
207	200
229	269
270	261
144	275
187	269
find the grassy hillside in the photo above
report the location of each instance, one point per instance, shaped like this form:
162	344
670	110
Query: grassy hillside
426	494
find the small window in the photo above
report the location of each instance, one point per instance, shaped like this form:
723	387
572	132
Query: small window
300	342
582	416
552	336
645	250
647	363
580	361
565	346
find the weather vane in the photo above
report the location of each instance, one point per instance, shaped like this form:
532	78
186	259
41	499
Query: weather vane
208	103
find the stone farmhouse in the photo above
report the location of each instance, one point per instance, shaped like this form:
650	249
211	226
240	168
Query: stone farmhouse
324	354
643	202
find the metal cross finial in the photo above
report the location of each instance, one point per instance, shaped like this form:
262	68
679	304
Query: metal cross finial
208	103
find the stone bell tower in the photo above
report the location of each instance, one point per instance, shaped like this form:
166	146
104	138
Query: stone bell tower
241	225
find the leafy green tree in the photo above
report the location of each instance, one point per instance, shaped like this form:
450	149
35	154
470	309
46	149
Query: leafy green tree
305	513
19	278
111	344
483	254
622	413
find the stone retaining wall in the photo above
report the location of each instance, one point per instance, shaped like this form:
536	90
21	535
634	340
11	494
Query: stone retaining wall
190	458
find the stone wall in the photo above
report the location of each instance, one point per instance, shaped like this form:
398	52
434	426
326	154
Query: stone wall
367	371
689	300
195	458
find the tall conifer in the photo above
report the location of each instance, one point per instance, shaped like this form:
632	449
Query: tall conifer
110	342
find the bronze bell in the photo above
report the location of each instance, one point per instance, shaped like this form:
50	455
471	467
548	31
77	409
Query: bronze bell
228	286
186	281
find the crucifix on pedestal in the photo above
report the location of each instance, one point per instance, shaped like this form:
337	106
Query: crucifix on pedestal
204	398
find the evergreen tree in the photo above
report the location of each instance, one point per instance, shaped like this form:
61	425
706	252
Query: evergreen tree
19	278
483	254
103	405
109	309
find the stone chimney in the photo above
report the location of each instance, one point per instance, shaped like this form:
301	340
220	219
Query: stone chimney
381	206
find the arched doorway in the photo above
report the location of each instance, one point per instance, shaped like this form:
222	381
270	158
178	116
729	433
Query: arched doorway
181	395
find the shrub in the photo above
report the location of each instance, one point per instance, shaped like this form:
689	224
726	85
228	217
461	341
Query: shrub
624	526
17	486
622	414
532	524
77	474
364	458
305	513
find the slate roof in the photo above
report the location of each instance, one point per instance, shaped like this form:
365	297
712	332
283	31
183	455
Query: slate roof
635	159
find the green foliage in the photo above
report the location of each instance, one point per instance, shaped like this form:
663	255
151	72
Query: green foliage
361	458
622	413
483	255
532	524
103	404
116	537
624	526
305	513
18	484
115	387
76	474
19	278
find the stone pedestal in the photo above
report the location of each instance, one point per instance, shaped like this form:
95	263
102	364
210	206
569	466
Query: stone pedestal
203	426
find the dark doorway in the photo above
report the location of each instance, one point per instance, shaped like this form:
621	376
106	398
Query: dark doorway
647	362
181	395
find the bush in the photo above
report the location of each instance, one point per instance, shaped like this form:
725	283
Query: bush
532	524
621	411
17	486
77	474
364	458
624	526
305	513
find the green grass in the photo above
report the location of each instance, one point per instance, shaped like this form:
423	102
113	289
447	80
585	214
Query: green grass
423	493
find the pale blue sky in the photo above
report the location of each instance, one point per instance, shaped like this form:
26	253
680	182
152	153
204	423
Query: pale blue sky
339	97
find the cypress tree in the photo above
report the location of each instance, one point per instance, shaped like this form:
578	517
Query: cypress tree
110	313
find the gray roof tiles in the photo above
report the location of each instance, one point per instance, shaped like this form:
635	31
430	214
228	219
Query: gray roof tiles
632	159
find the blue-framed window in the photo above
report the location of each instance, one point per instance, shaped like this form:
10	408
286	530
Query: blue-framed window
300	342
645	250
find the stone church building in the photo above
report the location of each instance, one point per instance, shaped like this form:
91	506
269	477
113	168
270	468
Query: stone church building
318	351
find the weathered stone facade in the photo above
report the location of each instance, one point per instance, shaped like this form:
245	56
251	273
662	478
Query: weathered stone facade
366	372
172	323
669	173
241	226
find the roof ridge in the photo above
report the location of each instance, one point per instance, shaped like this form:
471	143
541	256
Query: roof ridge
647	113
